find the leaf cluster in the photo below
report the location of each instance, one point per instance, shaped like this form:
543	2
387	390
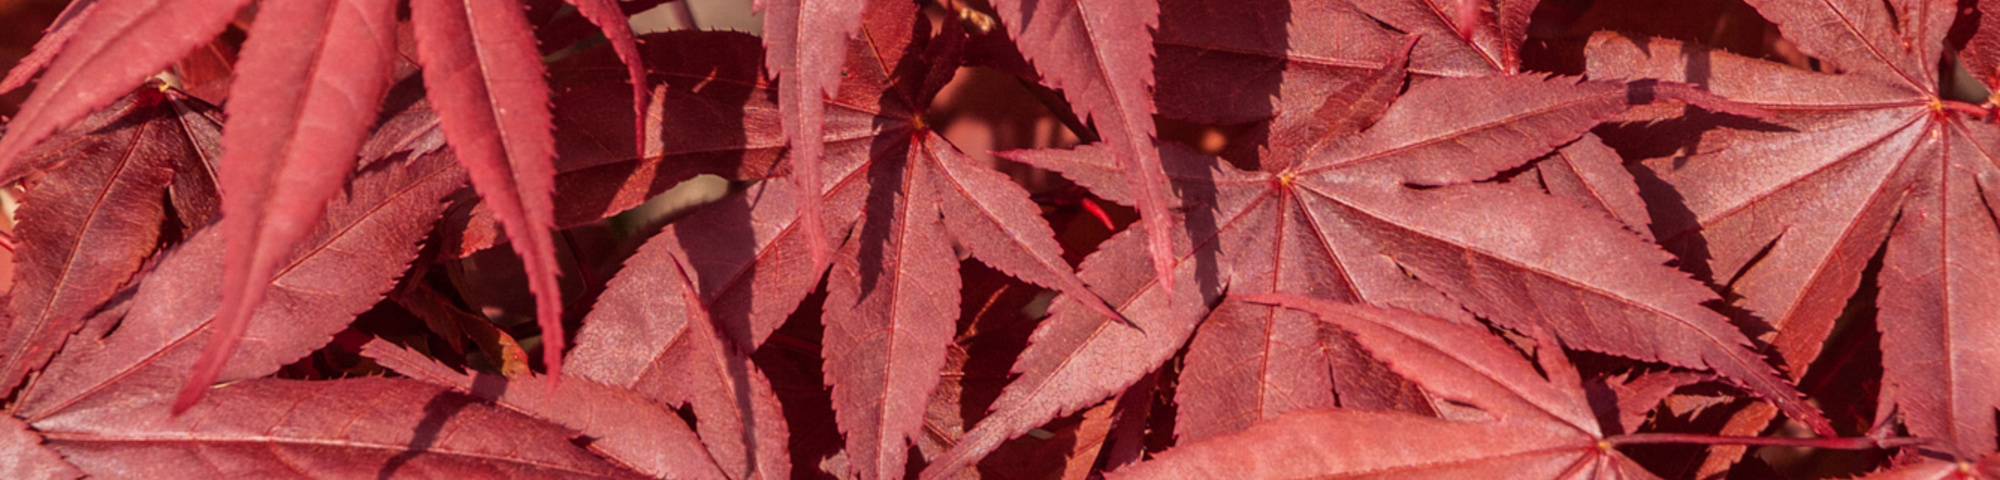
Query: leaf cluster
1267	239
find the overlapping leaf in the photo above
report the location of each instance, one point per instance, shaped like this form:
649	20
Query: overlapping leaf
625	427
618	31
356	428
485	80
1786	213
93	215
294	129
651	335
804	42
1538	427
116	46
365	241
920	195
23	456
1303	51
53	39
1099	53
712	113
1340	223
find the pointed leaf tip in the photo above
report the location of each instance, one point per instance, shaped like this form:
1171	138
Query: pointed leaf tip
485	79
113	50
805	44
618	30
293	132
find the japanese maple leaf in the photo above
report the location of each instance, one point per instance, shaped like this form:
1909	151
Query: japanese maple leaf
1982	468
368	237
294	128
296	90
1787	212
1212	72
27	457
352	428
804	42
1099	53
1532	426
900	196
92	216
705	117
624	426
45	49
1333	215
650	335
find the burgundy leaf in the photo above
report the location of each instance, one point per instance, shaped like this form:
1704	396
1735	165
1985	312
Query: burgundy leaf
364	427
650	334
367	238
803	40
1981	55
22	455
1786	213
1078	357
289	144
713	114
747	249
1100	53
1213	73
1985	468
1250	363
194	193
91	218
1540	428
1593	175
624	427
1489	47
115	48
485	80
886	324
618	30
1630	400
1329	217
53	39
890	299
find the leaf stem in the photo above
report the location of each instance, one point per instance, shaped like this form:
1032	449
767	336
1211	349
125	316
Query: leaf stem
1838	443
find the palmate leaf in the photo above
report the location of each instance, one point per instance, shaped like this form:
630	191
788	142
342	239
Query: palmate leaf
1097	51
367	238
920	196
1211	72
92	217
1786	213
1538	427
354	428
485	80
290	143
624	426
1340	223
651	335
747	249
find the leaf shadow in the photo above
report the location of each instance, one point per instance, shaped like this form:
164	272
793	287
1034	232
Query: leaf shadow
440	409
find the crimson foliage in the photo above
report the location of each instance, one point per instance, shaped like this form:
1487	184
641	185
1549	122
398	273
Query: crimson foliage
1297	238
